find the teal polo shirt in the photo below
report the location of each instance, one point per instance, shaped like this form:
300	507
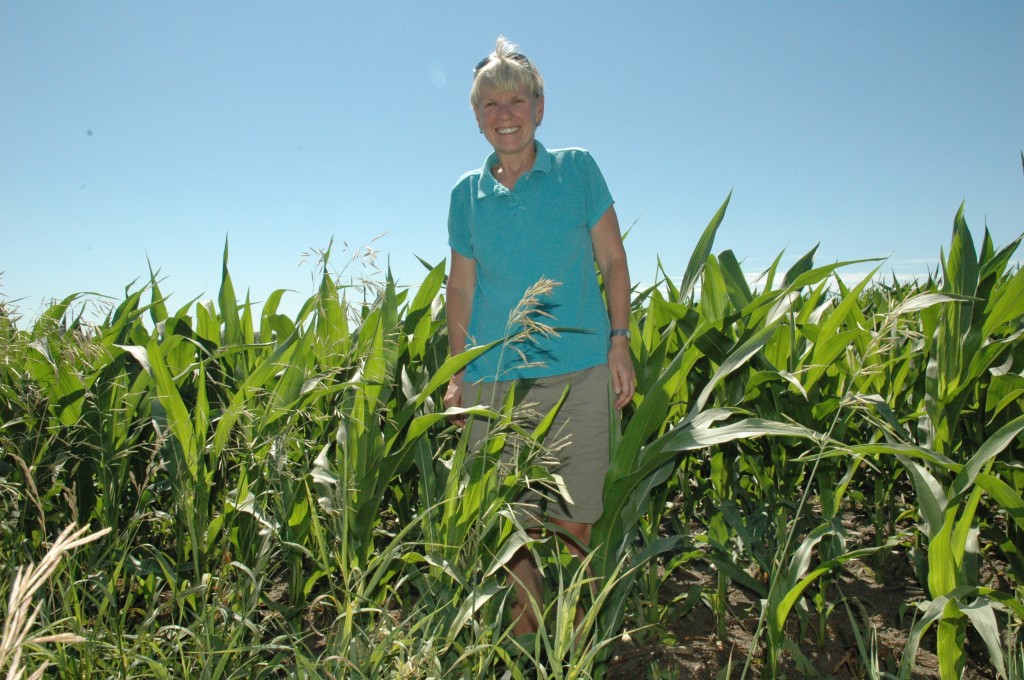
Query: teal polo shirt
538	229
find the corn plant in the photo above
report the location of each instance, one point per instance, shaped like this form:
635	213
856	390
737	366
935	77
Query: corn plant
286	498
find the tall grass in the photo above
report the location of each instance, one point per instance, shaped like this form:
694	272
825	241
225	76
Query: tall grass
22	611
281	496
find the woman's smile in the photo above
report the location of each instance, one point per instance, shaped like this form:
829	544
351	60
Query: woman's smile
509	120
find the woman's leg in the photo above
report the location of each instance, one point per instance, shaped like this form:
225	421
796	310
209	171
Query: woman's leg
528	582
529	587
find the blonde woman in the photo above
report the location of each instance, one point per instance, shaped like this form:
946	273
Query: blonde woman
529	214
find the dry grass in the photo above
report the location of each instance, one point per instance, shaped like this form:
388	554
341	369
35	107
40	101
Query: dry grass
21	615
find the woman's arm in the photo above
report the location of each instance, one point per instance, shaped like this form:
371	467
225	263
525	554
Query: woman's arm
611	260
458	309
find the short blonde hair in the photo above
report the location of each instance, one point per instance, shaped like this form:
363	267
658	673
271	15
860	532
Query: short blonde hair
506	70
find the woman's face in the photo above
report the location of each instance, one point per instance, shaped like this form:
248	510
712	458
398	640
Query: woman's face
509	119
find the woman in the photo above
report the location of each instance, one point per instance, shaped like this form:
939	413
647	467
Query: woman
530	214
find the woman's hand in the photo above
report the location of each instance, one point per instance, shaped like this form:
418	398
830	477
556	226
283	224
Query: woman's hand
453	398
620	365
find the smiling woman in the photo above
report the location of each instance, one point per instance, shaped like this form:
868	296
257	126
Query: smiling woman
508	100
530	215
509	120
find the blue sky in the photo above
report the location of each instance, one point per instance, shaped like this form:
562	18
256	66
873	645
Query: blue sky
138	133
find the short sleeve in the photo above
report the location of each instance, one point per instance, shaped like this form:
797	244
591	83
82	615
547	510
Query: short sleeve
459	227
598	197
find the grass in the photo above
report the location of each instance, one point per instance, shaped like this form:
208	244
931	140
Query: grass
22	610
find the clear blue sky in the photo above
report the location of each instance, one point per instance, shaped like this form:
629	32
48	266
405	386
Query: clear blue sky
135	131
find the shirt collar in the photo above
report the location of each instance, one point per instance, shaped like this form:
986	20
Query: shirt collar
489	185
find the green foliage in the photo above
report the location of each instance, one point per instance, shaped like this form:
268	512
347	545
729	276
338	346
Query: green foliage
285	497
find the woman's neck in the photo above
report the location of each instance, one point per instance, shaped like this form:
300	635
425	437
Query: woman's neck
510	168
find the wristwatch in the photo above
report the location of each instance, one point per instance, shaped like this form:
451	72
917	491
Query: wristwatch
623	332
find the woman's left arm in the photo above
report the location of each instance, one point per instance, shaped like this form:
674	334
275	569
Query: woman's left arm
611	260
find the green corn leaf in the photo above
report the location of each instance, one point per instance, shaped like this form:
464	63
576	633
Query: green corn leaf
1008	498
229	305
474	600
259	378
207	326
61	383
139	353
736	572
908	451
331	323
271	305
949	643
661	278
983	617
428	290
780	612
833	322
50	319
814	276
621	488
661	312
994	263
961	267
201	425
689	438
735	520
931	497
984	359
827	353
943	567
801	266
735	281
450	367
267	314
69	396
933	610
965	534
992	447
373	373
916	303
616	592
290	385
801	559
738	358
769	275
420	425
701	252
157	308
248	328
648	417
714	298
541	431
515	542
178	417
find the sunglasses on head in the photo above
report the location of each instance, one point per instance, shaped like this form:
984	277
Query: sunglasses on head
515	56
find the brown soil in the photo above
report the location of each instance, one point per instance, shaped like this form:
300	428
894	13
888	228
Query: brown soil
687	645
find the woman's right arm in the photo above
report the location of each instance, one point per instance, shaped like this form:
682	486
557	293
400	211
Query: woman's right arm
458	309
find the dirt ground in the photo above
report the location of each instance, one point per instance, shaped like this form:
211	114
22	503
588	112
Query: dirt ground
689	646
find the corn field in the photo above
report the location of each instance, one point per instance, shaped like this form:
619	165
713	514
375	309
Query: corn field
211	493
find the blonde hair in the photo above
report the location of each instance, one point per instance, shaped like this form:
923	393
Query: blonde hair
506	70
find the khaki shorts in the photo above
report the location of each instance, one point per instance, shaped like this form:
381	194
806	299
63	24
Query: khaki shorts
578	439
